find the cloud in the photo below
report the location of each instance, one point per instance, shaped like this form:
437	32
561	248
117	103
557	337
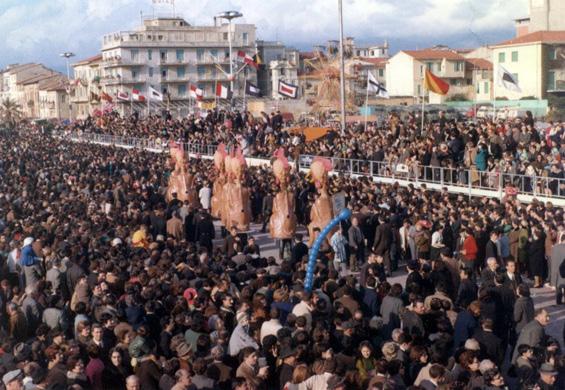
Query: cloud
37	30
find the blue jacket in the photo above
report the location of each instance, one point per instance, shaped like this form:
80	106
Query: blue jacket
481	160
28	256
465	326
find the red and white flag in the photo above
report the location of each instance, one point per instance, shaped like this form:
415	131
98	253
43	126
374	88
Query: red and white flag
243	56
222	92
288	90
123	96
195	92
137	96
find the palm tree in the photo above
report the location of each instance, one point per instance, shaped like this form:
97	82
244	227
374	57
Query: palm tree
10	112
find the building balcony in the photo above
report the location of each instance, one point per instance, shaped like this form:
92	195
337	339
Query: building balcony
118	61
175	79
212	61
123	80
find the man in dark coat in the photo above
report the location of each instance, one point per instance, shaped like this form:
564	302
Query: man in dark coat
491	346
299	250
205	232
466	324
383	239
491	248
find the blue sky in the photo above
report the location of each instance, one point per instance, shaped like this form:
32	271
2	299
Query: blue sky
38	30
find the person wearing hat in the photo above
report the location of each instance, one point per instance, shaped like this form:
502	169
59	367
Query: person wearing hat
13	380
547	377
286	369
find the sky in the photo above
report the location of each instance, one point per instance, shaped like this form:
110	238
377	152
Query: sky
39	30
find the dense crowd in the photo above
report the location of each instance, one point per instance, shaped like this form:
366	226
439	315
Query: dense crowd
105	285
512	147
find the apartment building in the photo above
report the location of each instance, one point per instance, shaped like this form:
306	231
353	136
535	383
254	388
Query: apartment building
169	54
32	86
86	86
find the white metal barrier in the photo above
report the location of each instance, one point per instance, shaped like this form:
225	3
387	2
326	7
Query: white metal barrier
470	182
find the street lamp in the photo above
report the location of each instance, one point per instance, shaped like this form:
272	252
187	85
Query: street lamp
341	68
68	55
229	15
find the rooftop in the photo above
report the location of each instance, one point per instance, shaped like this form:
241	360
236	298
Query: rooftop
479	63
89	60
536	37
434	54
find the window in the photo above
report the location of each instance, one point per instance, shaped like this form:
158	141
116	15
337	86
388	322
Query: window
501	57
163	55
486	87
164	72
552	53
458	66
381	72
245	38
199	54
551	80
201	70
214	53
372	53
180	71
150	71
514	56
225	36
282	71
149	54
430	66
181	90
133	54
419	89
133	74
180	55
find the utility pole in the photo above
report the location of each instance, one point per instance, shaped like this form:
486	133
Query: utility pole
341	67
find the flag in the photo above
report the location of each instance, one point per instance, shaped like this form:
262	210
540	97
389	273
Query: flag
106	97
374	86
251	89
434	84
257	59
155	95
123	96
288	90
243	56
137	96
195	92
507	80
222	92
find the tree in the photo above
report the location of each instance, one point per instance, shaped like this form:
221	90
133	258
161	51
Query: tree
10	112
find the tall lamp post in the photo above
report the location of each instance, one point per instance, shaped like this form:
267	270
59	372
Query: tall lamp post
229	16
68	55
341	68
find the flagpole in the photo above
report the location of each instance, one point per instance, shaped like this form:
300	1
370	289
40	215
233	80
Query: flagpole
367	101
423	103
245	93
494	97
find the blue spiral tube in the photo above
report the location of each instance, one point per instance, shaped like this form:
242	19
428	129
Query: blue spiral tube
309	281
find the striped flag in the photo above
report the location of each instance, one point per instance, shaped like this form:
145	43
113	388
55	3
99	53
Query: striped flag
137	96
247	59
434	84
195	92
222	92
288	90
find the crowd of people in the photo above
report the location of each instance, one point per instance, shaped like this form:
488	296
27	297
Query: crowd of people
106	285
528	155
